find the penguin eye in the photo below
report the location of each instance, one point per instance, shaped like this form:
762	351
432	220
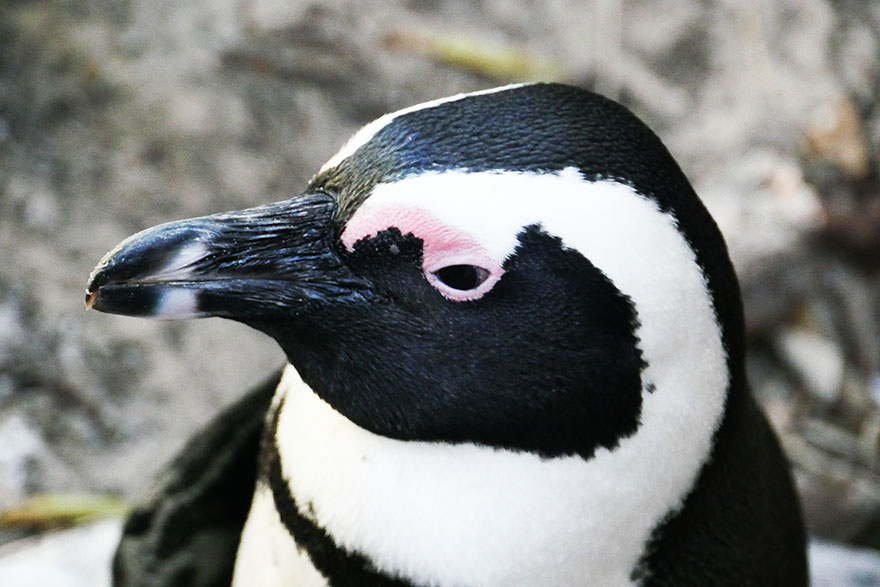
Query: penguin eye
462	277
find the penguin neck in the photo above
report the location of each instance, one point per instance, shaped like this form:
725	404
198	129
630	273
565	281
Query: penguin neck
451	514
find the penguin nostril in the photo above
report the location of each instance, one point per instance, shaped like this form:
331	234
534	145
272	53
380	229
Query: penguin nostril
462	277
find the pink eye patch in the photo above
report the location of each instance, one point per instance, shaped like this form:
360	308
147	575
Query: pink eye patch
454	262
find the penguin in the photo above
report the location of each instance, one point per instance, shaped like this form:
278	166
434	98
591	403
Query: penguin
515	345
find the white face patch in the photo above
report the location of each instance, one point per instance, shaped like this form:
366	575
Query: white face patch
366	133
443	246
445	514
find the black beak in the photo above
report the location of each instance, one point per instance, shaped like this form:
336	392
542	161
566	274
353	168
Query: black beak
250	265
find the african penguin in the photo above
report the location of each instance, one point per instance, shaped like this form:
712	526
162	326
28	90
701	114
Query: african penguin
516	357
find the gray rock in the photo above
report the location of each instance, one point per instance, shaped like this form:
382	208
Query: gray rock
79	557
816	361
836	565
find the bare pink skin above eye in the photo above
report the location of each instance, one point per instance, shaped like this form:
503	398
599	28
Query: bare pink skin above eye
443	245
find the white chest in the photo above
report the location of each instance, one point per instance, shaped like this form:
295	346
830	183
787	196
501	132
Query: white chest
442	514
267	556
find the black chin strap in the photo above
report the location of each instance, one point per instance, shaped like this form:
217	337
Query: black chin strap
341	567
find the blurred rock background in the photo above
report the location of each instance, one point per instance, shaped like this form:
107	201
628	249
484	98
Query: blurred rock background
116	115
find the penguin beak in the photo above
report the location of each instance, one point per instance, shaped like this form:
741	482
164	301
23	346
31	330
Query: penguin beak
247	265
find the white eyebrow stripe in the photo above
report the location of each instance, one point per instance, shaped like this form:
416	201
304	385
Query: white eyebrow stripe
367	132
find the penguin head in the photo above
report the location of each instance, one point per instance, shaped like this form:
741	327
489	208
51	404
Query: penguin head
525	268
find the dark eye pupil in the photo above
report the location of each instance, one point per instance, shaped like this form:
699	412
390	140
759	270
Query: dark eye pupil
462	277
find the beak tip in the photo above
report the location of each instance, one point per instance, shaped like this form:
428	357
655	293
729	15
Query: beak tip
91	298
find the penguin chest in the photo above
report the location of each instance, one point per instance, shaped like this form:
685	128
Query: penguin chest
424	513
267	555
